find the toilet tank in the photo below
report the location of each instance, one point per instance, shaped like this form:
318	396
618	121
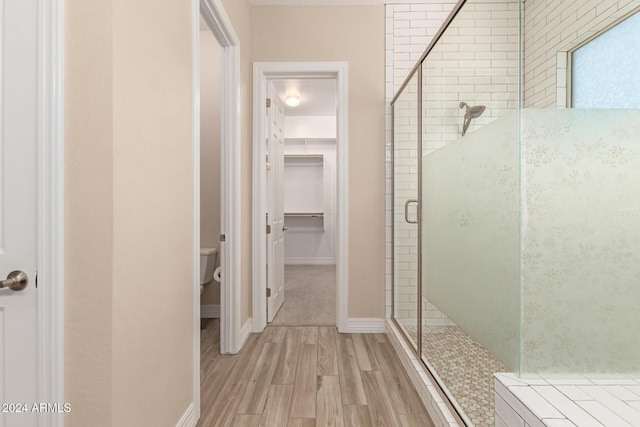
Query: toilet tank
207	264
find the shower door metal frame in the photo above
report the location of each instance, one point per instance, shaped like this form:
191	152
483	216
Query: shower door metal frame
453	409
393	214
418	213
419	209
417	69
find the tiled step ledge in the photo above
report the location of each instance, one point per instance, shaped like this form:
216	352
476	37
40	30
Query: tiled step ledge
431	399
556	402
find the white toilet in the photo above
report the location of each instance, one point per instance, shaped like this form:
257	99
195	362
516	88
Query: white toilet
207	265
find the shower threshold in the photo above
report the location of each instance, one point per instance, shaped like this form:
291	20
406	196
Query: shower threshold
466	368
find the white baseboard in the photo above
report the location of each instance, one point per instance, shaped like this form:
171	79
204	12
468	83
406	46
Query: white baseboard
245	331
309	261
365	325
431	398
188	419
210	311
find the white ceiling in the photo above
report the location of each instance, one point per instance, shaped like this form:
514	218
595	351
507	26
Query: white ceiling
317	96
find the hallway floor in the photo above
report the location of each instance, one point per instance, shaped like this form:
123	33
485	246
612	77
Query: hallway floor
309	296
306	376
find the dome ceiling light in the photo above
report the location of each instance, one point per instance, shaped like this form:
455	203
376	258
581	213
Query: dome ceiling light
292	100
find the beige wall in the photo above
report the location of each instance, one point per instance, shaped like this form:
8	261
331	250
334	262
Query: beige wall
210	153
354	34
352	28
88	212
128	188
128	347
239	14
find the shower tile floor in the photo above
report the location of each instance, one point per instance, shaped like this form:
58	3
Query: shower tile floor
465	367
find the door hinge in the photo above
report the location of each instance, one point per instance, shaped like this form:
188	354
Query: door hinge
268	102
223	238
268	292
268	229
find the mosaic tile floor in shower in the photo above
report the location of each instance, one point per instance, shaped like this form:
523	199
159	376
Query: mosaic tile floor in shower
466	369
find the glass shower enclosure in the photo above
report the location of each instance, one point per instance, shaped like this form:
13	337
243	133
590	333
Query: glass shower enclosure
516	214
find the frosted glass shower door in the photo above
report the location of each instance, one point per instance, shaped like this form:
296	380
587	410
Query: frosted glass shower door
470	200
405	210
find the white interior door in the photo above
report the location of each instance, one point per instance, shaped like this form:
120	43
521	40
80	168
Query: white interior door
275	203
18	144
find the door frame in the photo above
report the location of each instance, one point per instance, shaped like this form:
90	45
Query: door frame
220	25
262	72
50	207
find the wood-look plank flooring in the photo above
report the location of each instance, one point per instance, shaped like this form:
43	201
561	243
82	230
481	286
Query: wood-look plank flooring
306	376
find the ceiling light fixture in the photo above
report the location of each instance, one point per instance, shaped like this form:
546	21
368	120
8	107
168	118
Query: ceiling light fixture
292	101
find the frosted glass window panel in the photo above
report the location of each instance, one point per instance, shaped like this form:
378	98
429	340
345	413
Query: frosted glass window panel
581	241
470	242
606	70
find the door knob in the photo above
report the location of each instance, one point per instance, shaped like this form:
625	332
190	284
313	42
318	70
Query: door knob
16	281
285	228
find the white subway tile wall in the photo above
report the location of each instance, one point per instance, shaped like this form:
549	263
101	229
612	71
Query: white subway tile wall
409	29
475	61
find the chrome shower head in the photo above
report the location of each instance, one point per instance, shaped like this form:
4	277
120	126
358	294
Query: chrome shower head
470	113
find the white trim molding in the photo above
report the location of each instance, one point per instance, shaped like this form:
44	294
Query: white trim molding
365	325
262	73
309	261
195	148
428	390
216	18
210	311
50	216
188	419
246	330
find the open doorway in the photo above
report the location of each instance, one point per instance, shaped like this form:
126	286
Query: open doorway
210	200
217	165
308	197
300	190
216	189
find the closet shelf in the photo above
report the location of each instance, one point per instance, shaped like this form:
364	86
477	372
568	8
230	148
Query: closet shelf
304	156
305	214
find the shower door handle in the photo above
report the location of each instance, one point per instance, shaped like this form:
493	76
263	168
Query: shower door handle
406	211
